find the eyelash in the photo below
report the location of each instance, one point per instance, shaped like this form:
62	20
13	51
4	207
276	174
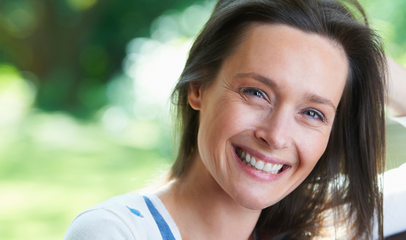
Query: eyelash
252	90
317	115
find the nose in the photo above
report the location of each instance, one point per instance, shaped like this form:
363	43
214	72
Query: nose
276	129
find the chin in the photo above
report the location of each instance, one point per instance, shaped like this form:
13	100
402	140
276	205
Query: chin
255	202
256	205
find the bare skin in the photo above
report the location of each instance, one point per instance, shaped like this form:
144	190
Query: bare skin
199	215
275	98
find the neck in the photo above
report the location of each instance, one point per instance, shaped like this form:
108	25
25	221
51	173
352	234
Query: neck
202	210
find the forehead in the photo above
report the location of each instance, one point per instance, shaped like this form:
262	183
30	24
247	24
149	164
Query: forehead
264	38
290	56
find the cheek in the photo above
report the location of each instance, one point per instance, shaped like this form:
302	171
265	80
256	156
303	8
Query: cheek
217	124
312	149
222	120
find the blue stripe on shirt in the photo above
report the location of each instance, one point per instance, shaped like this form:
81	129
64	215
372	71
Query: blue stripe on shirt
166	232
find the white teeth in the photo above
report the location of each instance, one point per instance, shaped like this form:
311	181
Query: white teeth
276	168
253	161
268	167
259	165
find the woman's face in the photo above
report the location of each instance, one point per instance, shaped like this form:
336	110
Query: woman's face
274	99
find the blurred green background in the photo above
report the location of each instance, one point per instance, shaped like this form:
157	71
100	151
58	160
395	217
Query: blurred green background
84	110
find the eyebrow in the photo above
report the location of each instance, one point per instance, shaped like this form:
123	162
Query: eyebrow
258	77
318	99
309	96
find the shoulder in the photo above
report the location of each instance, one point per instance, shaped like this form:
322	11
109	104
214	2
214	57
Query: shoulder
121	217
99	224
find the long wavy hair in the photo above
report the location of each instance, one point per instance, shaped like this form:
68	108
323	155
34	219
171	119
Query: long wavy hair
342	196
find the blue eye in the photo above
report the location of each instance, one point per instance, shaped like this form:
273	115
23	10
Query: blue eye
315	115
255	92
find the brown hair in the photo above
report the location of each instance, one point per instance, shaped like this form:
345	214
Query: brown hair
344	187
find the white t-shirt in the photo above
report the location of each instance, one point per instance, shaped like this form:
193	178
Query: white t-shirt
129	216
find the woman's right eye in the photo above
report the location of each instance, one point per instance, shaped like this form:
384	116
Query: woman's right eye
254	92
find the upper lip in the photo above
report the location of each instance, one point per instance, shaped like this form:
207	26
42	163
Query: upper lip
261	156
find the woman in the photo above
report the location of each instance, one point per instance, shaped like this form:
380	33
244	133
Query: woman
281	108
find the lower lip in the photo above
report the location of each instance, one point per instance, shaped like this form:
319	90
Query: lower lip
257	174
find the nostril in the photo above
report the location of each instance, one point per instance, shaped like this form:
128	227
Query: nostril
274	141
264	140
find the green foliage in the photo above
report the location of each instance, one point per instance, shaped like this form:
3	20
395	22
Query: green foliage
72	46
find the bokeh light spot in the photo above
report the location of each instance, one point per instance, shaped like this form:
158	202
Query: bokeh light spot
20	19
16	95
115	119
81	5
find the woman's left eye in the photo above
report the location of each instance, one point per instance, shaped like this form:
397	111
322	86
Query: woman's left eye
315	114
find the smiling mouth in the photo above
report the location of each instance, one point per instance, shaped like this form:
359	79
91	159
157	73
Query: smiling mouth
259	164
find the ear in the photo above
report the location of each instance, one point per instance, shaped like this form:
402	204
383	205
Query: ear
195	95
